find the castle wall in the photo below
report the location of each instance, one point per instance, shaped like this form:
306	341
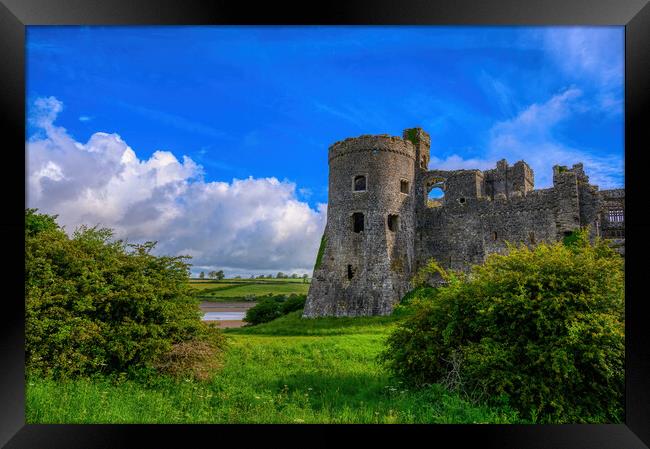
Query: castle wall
611	217
458	234
368	272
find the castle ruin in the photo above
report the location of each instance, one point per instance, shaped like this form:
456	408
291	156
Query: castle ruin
382	226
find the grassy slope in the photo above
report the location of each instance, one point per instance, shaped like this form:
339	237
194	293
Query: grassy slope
287	371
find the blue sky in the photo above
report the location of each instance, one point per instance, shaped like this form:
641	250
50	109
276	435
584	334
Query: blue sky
261	103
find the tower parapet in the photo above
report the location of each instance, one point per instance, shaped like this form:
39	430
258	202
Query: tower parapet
370	144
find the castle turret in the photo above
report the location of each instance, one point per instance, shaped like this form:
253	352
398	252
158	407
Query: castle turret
367	253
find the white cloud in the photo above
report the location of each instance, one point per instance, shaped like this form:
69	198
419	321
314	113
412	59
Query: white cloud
456	162
593	52
593	57
246	226
530	136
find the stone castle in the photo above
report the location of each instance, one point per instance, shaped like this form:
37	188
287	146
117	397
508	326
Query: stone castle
382	226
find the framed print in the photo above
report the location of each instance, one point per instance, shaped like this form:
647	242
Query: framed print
363	213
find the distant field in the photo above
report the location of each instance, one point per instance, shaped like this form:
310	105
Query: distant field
247	281
238	289
201	285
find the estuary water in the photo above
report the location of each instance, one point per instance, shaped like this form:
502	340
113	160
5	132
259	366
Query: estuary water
223	316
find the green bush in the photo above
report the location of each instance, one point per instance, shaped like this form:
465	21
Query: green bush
541	329
292	303
264	311
99	306
271	307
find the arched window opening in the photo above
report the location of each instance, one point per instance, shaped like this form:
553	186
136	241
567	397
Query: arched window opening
359	183
436	197
495	236
393	222
357	222
435	192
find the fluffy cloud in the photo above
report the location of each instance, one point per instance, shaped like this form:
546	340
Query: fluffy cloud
529	135
592	56
588	52
247	226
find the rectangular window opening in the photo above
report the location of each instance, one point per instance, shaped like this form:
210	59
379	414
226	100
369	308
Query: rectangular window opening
615	216
359	183
404	186
350	273
393	222
357	222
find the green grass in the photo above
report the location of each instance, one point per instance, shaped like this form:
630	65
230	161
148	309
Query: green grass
236	289
194	281
291	370
203	285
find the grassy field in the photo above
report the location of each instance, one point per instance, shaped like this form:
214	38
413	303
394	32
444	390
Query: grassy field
241	289
290	370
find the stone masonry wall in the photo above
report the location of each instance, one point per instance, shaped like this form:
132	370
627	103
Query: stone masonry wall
368	272
365	273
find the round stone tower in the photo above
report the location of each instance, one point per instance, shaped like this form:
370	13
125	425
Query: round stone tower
366	257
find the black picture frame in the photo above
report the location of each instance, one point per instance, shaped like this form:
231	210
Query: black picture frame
633	14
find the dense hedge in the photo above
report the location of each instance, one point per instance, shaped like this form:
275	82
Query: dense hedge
541	329
99	306
272	307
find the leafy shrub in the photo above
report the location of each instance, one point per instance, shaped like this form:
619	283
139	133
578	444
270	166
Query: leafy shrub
99	306
292	303
542	329
271	307
264	311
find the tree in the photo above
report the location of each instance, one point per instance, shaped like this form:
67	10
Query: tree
305	278
280	275
36	223
541	328
94	305
294	276
201	275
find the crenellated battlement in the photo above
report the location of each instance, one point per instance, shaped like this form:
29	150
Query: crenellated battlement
370	143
